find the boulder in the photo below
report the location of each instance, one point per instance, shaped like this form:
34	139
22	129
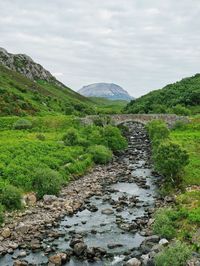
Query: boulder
58	259
79	248
6	232
48	199
133	262
107	211
164	242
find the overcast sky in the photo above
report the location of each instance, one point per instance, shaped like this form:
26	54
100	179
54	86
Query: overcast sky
140	45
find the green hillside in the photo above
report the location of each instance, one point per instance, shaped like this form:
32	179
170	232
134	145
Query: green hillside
182	97
107	106
21	96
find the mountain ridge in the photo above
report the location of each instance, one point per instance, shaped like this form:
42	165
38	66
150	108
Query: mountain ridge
110	91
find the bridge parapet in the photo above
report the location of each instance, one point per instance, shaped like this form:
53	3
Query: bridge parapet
117	119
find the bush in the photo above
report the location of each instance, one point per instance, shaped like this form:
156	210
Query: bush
176	254
157	130
100	154
163	225
46	181
181	110
102	120
40	137
170	160
22	124
1	214
71	137
10	196
113	139
194	215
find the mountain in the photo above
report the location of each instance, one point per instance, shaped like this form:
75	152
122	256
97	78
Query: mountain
181	97
26	88
105	90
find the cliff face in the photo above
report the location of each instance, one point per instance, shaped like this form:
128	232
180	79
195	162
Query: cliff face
24	65
105	90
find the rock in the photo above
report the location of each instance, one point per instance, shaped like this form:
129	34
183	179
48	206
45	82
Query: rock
163	242
30	199
48	199
20	263
133	262
6	232
22	228
79	248
112	246
58	259
145	258
107	211
75	239
22	254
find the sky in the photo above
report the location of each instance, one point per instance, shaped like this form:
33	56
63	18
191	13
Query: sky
140	45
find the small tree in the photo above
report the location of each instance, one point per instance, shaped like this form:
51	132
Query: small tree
170	160
46	181
71	137
22	124
157	130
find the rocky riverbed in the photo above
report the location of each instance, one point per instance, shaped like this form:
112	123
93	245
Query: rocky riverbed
103	218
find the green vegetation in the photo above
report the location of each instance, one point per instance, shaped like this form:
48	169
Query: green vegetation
176	254
49	153
21	96
1	214
163	224
106	106
169	158
46	181
170	155
182	98
100	154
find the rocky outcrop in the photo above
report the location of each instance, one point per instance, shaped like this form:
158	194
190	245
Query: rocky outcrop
24	65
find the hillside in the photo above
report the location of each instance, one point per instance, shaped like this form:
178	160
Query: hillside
180	97
106	106
105	90
33	90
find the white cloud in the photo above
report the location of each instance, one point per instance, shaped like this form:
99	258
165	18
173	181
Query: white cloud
140	45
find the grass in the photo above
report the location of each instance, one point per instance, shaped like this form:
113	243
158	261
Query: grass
184	217
106	106
21	96
189	138
27	155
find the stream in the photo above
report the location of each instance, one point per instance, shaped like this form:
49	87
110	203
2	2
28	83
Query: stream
115	221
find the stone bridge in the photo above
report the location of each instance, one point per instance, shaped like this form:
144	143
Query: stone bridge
117	119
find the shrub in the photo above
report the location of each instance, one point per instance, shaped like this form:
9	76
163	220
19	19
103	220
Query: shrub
102	120
22	124
71	137
170	160
163	225
194	215
46	181
181	110
10	196
1	214
100	154
40	137
157	130
175	254
113	139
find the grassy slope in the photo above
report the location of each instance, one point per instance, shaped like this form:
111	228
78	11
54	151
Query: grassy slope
21	96
189	138
185	92
104	105
187	209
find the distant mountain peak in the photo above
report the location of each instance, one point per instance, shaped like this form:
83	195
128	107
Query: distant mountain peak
105	90
24	65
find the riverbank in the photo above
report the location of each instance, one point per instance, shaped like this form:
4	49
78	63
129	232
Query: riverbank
104	217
